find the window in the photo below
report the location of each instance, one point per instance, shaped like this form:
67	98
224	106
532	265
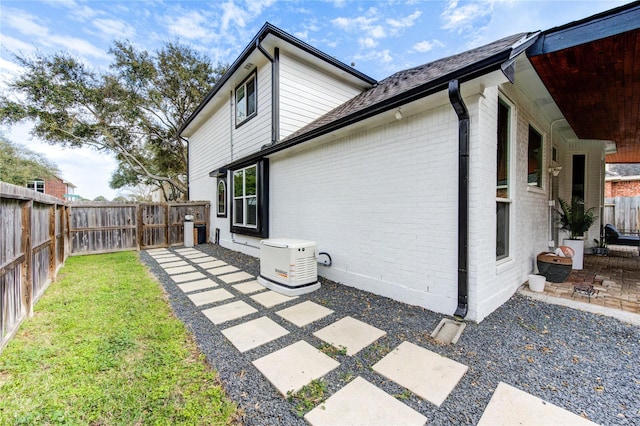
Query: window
36	185
246	100
502	182
534	158
250	200
222	198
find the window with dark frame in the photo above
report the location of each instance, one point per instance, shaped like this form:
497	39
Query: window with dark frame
250	200
534	158
222	198
246	100
502	182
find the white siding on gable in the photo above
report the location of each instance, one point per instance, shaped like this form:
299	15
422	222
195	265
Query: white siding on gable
307	93
255	132
210	145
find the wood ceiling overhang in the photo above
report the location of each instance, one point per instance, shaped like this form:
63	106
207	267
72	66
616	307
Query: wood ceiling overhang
592	70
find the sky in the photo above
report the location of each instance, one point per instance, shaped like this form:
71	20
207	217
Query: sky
379	37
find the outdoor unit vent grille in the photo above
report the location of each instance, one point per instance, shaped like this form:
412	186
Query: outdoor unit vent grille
288	266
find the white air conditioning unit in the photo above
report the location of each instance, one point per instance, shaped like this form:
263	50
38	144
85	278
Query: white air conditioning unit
288	266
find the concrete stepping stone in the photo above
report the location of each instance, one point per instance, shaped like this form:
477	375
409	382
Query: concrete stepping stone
271	298
212	264
250	287
187	250
222	270
197	285
304	313
158	251
351	333
430	376
254	333
236	277
229	311
292	367
204	259
362	403
166	258
210	296
199	255
171	263
510	406
179	269
182	278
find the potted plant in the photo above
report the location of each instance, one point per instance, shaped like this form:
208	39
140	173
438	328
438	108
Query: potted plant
576	221
601	247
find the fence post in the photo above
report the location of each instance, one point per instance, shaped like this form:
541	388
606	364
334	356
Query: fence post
27	248
165	213
139	226
52	242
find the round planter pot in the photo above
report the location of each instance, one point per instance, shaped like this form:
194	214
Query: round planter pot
578	249
536	283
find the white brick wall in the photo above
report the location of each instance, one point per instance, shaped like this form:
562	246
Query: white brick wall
382	202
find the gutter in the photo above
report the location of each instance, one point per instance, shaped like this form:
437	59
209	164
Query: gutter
275	92
463	197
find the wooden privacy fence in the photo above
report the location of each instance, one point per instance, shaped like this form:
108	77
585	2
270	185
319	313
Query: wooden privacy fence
623	213
38	232
108	227
32	248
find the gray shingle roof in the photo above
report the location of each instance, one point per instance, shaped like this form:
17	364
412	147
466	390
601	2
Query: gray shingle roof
403	82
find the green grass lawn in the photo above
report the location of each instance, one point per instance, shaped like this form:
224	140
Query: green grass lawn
104	348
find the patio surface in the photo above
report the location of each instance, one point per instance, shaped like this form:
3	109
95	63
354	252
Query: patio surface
376	358
615	280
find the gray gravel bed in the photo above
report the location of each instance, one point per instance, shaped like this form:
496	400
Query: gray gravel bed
585	363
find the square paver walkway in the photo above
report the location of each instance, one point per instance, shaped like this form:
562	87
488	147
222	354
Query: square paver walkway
210	296
271	298
511	406
229	311
430	376
179	269
304	313
250	287
236	277
182	278
362	403
197	285
194	256
222	270
291	368
254	333
350	333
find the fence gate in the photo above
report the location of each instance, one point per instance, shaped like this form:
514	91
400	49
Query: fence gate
108	227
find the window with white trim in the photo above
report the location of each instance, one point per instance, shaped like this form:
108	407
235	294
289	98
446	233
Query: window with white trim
222	198
36	185
246	100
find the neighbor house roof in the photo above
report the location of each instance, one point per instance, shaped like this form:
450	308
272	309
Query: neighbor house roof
404	87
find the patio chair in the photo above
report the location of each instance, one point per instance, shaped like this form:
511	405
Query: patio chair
613	236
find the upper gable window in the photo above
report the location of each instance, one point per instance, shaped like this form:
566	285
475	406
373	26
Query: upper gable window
246	100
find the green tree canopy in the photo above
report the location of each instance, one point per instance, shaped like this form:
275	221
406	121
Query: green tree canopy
19	165
133	110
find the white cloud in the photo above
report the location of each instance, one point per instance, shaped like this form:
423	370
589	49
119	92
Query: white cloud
25	23
367	42
232	14
112	28
405	22
192	25
14	45
426	45
302	35
466	16
77	45
382	56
